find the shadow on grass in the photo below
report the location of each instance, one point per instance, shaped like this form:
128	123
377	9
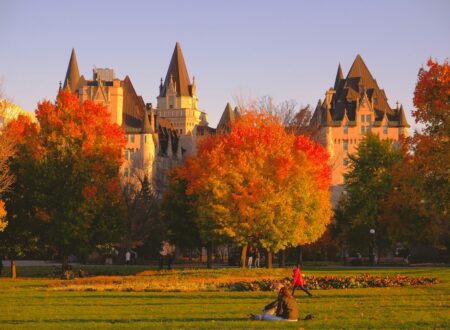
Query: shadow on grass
126	321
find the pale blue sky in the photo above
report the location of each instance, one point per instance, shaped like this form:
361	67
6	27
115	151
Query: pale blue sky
286	49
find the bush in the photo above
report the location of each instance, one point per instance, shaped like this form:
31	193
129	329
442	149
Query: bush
335	282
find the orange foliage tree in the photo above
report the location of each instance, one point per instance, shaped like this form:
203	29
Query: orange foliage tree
418	210
67	175
259	184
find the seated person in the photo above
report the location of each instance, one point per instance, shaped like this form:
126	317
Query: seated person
286	308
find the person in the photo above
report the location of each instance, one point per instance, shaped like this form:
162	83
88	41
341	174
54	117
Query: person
128	257
163	254
257	256
250	257
286	308
298	281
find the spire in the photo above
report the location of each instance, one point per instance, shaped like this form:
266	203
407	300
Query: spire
402	118
339	77
72	74
328	118
178	72
227	118
359	70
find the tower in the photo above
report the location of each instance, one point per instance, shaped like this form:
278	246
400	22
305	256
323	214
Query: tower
178	103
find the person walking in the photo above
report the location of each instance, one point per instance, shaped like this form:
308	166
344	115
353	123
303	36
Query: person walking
298	281
250	257
128	257
257	256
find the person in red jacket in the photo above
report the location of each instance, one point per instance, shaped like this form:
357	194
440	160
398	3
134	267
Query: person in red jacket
298	281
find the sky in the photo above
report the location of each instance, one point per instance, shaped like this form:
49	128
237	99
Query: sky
289	50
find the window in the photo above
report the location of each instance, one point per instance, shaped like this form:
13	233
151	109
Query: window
132	138
363	129
345	144
385	129
346	129
127	155
126	171
362	118
345	162
368	118
375	101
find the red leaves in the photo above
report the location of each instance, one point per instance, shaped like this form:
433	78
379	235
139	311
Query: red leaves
432	92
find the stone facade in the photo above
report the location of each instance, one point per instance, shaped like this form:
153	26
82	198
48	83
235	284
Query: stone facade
152	143
353	107
178	103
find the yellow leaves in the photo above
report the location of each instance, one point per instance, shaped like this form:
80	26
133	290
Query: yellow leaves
3	222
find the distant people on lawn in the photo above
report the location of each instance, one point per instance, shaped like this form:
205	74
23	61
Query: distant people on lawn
284	308
128	257
298	281
166	253
257	257
250	257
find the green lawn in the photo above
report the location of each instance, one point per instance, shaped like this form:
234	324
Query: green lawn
28	303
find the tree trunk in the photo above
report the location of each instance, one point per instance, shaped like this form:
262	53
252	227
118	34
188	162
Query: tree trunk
269	259
300	256
282	259
64	264
244	256
13	269
209	249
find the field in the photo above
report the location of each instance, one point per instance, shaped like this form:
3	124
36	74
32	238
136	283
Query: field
41	303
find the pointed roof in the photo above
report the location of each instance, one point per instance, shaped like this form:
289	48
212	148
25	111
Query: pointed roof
227	118
72	74
339	77
402	118
359	70
178	73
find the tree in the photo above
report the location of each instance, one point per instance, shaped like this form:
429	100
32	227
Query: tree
419	206
67	172
6	177
260	184
367	186
142	209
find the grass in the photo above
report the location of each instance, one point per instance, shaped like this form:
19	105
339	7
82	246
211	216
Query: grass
30	303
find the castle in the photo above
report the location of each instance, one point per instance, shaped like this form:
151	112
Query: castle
353	107
157	139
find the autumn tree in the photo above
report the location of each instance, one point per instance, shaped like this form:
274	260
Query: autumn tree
6	177
367	186
419	205
68	170
179	214
260	184
142	212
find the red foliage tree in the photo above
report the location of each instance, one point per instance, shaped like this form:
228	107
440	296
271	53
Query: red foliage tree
67	171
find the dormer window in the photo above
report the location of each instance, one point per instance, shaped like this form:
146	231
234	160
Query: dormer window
385	129
346	129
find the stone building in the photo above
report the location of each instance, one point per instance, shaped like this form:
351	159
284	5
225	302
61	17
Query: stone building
152	143
355	106
178	103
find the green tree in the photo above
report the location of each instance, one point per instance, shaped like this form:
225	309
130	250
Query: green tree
367	187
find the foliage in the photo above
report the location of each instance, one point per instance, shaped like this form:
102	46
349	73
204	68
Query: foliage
336	282
67	188
142	207
259	184
418	208
179	213
367	185
3	222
